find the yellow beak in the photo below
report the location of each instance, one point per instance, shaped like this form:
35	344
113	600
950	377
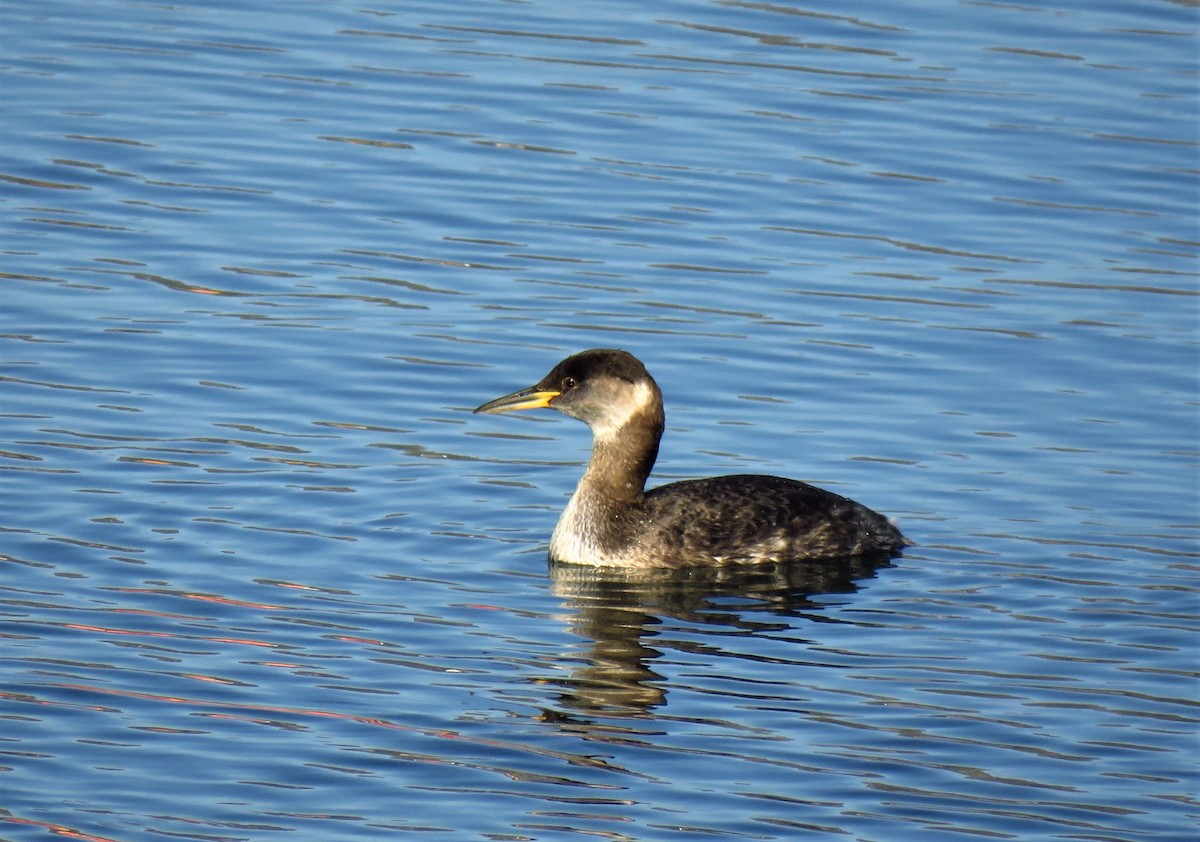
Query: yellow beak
531	398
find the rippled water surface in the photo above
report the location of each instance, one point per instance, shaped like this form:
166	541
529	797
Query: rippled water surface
263	575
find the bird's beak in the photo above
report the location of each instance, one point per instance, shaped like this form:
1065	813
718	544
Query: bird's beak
531	398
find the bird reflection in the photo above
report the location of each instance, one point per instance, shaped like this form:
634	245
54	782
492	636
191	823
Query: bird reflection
618	610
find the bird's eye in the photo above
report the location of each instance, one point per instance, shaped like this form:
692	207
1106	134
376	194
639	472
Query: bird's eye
568	384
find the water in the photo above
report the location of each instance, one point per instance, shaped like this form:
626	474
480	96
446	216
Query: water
264	575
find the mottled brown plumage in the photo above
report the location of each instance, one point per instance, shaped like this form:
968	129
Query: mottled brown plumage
612	521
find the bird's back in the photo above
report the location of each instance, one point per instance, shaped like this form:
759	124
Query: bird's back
756	518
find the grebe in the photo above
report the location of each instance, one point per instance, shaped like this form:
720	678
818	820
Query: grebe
611	521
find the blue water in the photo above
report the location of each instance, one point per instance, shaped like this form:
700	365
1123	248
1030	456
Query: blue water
263	575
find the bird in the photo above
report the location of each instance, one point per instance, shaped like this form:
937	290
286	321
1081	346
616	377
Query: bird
612	521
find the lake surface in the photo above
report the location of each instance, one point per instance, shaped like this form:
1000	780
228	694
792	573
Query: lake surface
264	576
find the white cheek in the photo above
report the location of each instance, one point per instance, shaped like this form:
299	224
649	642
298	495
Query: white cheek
641	400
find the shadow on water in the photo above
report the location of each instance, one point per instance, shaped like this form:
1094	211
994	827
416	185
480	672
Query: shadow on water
621	613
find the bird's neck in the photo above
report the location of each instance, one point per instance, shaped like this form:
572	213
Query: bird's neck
598	522
622	459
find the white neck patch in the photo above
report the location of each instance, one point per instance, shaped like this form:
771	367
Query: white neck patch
640	401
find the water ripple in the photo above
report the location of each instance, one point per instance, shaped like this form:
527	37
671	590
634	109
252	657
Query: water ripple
263	572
